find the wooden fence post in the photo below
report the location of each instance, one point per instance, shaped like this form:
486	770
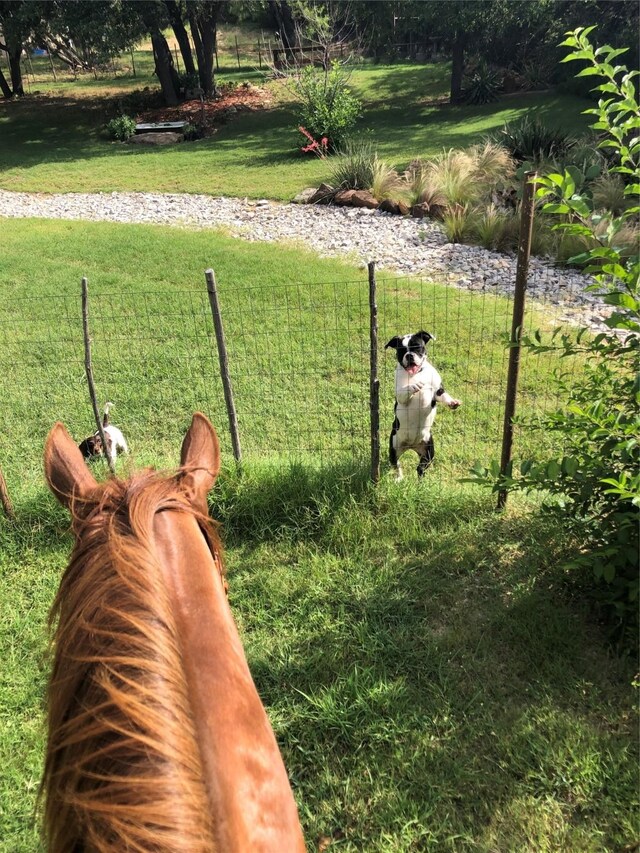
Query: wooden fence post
374	382
522	269
5	499
224	364
89	371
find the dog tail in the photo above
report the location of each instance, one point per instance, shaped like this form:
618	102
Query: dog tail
105	417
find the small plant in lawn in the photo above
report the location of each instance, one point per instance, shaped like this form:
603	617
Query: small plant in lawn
121	128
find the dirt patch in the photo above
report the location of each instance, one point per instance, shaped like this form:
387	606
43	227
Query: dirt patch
231	101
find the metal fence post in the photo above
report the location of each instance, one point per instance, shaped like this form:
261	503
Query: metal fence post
374	382
522	269
224	364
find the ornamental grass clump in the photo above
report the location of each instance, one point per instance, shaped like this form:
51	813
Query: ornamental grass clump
353	168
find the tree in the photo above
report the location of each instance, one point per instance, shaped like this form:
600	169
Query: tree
203	21
18	19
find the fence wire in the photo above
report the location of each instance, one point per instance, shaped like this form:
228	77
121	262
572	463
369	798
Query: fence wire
299	363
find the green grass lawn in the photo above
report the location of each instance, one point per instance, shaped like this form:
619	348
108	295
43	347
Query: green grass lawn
436	681
54	141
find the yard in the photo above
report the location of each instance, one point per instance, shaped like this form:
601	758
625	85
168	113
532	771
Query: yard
434	676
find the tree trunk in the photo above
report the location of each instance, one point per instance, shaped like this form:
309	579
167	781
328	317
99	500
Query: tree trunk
177	24
283	17
208	32
457	67
197	43
16	71
6	89
203	22
165	68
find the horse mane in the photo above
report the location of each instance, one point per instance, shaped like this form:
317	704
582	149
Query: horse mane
123	768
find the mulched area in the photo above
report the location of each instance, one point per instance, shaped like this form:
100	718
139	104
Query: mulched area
232	99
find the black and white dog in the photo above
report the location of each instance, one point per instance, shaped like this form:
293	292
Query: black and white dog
418	389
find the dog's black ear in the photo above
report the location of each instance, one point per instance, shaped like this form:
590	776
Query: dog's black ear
394	342
425	336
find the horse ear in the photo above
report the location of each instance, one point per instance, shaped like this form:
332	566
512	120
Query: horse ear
65	469
199	459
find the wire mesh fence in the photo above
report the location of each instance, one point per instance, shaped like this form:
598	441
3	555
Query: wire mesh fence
299	364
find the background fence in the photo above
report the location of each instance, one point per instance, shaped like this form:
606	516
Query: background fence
299	364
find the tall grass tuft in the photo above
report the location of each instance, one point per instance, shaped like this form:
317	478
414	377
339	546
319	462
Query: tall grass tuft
608	193
421	186
354	166
493	228
457	222
386	183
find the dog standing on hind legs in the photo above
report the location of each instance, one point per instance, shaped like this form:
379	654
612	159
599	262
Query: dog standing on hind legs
419	389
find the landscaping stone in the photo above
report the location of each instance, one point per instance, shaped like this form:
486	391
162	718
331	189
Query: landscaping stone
164	138
401	245
344	198
305	196
420	210
363	198
389	206
323	195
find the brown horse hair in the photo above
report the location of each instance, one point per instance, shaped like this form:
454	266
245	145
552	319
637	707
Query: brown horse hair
123	769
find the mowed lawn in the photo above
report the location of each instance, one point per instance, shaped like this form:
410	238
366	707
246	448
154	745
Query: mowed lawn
55	142
436	680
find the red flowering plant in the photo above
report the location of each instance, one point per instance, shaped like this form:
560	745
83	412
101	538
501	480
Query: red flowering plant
319	148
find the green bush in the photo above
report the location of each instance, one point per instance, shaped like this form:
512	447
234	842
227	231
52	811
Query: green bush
327	108
121	128
532	139
595	484
483	85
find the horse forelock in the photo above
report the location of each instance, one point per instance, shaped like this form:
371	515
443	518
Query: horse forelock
123	768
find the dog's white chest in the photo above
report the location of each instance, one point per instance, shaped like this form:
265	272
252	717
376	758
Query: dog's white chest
416	404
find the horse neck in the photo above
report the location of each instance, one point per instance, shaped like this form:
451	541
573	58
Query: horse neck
251	800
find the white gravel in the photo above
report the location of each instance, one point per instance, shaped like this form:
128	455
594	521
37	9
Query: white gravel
401	245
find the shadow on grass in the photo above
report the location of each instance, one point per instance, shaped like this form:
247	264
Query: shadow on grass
447	683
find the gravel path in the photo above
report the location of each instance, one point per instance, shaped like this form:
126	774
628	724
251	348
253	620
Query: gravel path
403	245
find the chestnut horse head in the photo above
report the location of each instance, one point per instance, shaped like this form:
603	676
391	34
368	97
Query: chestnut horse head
157	739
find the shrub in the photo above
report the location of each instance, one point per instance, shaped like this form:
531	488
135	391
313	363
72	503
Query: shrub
353	169
327	107
595	484
483	85
121	128
531	139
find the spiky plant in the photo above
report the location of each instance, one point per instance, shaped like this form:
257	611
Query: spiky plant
608	193
386	182
420	186
354	165
493	164
456	222
452	173
493	229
